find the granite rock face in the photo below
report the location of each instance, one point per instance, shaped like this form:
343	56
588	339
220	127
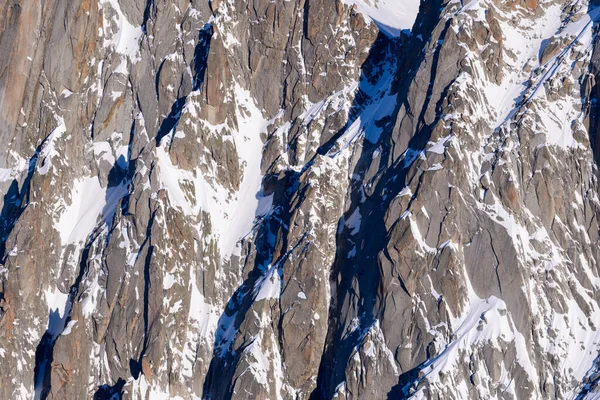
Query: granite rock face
300	199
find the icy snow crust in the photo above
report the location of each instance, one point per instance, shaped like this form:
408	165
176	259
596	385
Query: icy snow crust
391	16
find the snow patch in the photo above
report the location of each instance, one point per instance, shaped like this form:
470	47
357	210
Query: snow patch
49	147
126	39
89	200
353	222
391	16
269	287
232	213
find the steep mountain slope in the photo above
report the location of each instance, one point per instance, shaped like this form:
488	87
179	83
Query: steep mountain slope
299	199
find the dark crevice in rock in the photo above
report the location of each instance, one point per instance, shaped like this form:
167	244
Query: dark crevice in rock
147	15
135	366
305	19
225	357
146	299
199	64
14	203
591	92
9	214
201	55
129	172
591	381
365	269
41	372
44	353
379	57
339	344
407	379
107	392
497	262
171	121
157	79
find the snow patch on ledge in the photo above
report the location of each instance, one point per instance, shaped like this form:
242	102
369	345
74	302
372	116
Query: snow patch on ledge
391	16
49	147
126	39
89	200
232	213
270	286
79	218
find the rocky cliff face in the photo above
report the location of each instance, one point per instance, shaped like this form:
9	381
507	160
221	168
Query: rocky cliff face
299	199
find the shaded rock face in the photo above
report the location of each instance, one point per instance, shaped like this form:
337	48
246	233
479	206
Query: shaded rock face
274	199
